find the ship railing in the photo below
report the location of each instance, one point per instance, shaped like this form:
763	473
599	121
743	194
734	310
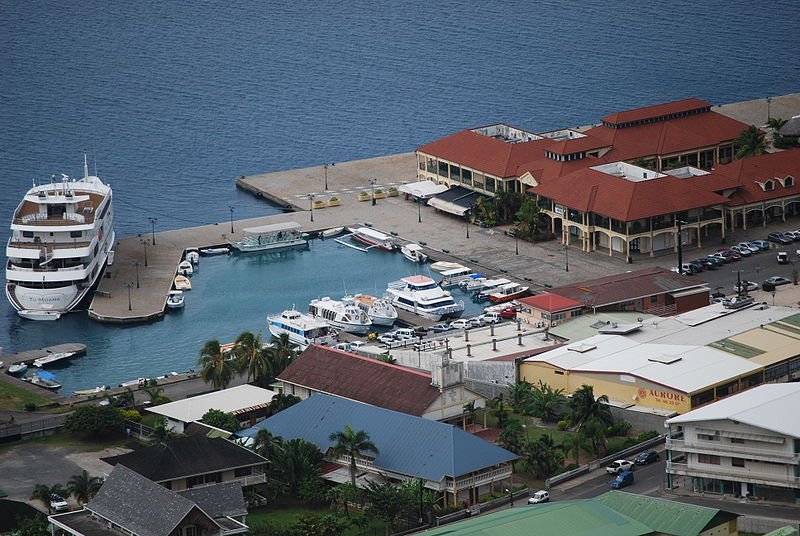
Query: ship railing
397	284
65	219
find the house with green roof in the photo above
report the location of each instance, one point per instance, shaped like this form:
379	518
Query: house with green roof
615	513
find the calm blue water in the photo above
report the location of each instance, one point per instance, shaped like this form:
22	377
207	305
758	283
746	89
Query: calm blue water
174	101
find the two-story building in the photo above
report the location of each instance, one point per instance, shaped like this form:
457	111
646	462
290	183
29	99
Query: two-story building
747	445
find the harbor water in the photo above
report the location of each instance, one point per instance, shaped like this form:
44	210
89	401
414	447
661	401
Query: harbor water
173	102
230	294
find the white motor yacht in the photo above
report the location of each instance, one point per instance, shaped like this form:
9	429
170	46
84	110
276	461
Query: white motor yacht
379	310
175	299
413	252
422	296
302	329
339	314
62	236
185	268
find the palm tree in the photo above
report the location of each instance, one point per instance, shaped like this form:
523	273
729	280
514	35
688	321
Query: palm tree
512	435
352	443
519	393
751	142
42	492
499	409
595	430
470	410
775	123
250	351
83	487
267	445
528	217
575	444
545	402
585	407
280	353
295	461
215	369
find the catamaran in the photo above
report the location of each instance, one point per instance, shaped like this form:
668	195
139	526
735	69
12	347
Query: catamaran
62	236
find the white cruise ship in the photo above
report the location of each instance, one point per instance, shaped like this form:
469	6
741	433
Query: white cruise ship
62	235
422	296
346	316
302	329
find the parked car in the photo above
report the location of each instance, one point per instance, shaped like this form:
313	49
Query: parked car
355	345
476	322
733	255
461	323
509	311
783	257
491	318
749	245
386	338
58	503
618	466
777	281
647	457
404	333
706	263
344	346
716	261
623	479
795	235
441	327
720	256
763	244
697	266
540	496
779	238
743	251
749	286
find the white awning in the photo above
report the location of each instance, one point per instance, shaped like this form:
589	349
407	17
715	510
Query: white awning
423	189
274	228
447	206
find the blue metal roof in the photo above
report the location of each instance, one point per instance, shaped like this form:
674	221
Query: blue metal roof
408	445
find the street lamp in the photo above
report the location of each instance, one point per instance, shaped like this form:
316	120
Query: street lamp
510	497
419	210
769	101
680	245
129	286
311	204
230	207
466	219
325	166
372	186
144	243
137	273
153	227
566	257
516	242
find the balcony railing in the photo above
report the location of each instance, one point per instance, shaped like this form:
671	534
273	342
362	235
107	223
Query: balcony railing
735	450
65	219
732	473
479	480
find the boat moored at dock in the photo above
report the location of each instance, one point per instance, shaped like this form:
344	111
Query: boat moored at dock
343	315
175	299
182	282
507	292
373	238
210	252
17	369
52	358
451	278
302	329
379	310
271	237
62	236
422	296
413	252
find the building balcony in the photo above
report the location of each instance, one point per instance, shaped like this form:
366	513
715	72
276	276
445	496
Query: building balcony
732	450
486	477
737	474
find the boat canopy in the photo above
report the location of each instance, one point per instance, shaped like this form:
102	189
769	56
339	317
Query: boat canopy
457	272
43	374
273	228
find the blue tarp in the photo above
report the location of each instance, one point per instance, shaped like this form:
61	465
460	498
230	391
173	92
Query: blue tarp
43	374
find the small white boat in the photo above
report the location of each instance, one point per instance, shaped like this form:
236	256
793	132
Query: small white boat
215	251
333	231
182	283
175	299
451	278
193	256
413	252
373	238
442	266
379	310
17	369
44	379
134	383
39	315
87	392
185	268
52	358
339	314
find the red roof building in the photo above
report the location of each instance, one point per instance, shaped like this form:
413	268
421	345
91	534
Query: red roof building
320	369
547	307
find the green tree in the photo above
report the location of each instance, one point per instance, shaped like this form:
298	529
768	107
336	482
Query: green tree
296	461
93	420
575	444
215	369
595	430
508	204
318	525
251	353
470	410
267	445
340	497
776	123
156	395
281	401
389	503
386	358
123	400
32	526
83	487
42	492
751	142
545	402
220	419
528	217
542	456
519	393
352	443
281	352
512	435
584	407
161	433
499	409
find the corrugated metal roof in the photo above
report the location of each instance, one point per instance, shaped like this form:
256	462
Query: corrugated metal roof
408	445
764	407
661	515
231	400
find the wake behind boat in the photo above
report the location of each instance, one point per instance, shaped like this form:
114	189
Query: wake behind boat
62	236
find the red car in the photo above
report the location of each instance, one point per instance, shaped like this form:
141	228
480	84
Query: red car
509	312
730	254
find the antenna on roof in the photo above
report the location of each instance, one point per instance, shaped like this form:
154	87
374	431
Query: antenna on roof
85	165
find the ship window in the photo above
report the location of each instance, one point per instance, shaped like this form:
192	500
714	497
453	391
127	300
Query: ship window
27	234
75	234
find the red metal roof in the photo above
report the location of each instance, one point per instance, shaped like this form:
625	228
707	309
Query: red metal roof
550	302
743	174
362	379
655	111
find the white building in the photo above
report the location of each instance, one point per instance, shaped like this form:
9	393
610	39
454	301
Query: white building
744	445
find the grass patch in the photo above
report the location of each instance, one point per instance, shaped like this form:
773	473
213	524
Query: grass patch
74	442
13	397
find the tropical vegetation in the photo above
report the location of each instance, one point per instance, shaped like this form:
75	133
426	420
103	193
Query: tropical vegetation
352	443
751	142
